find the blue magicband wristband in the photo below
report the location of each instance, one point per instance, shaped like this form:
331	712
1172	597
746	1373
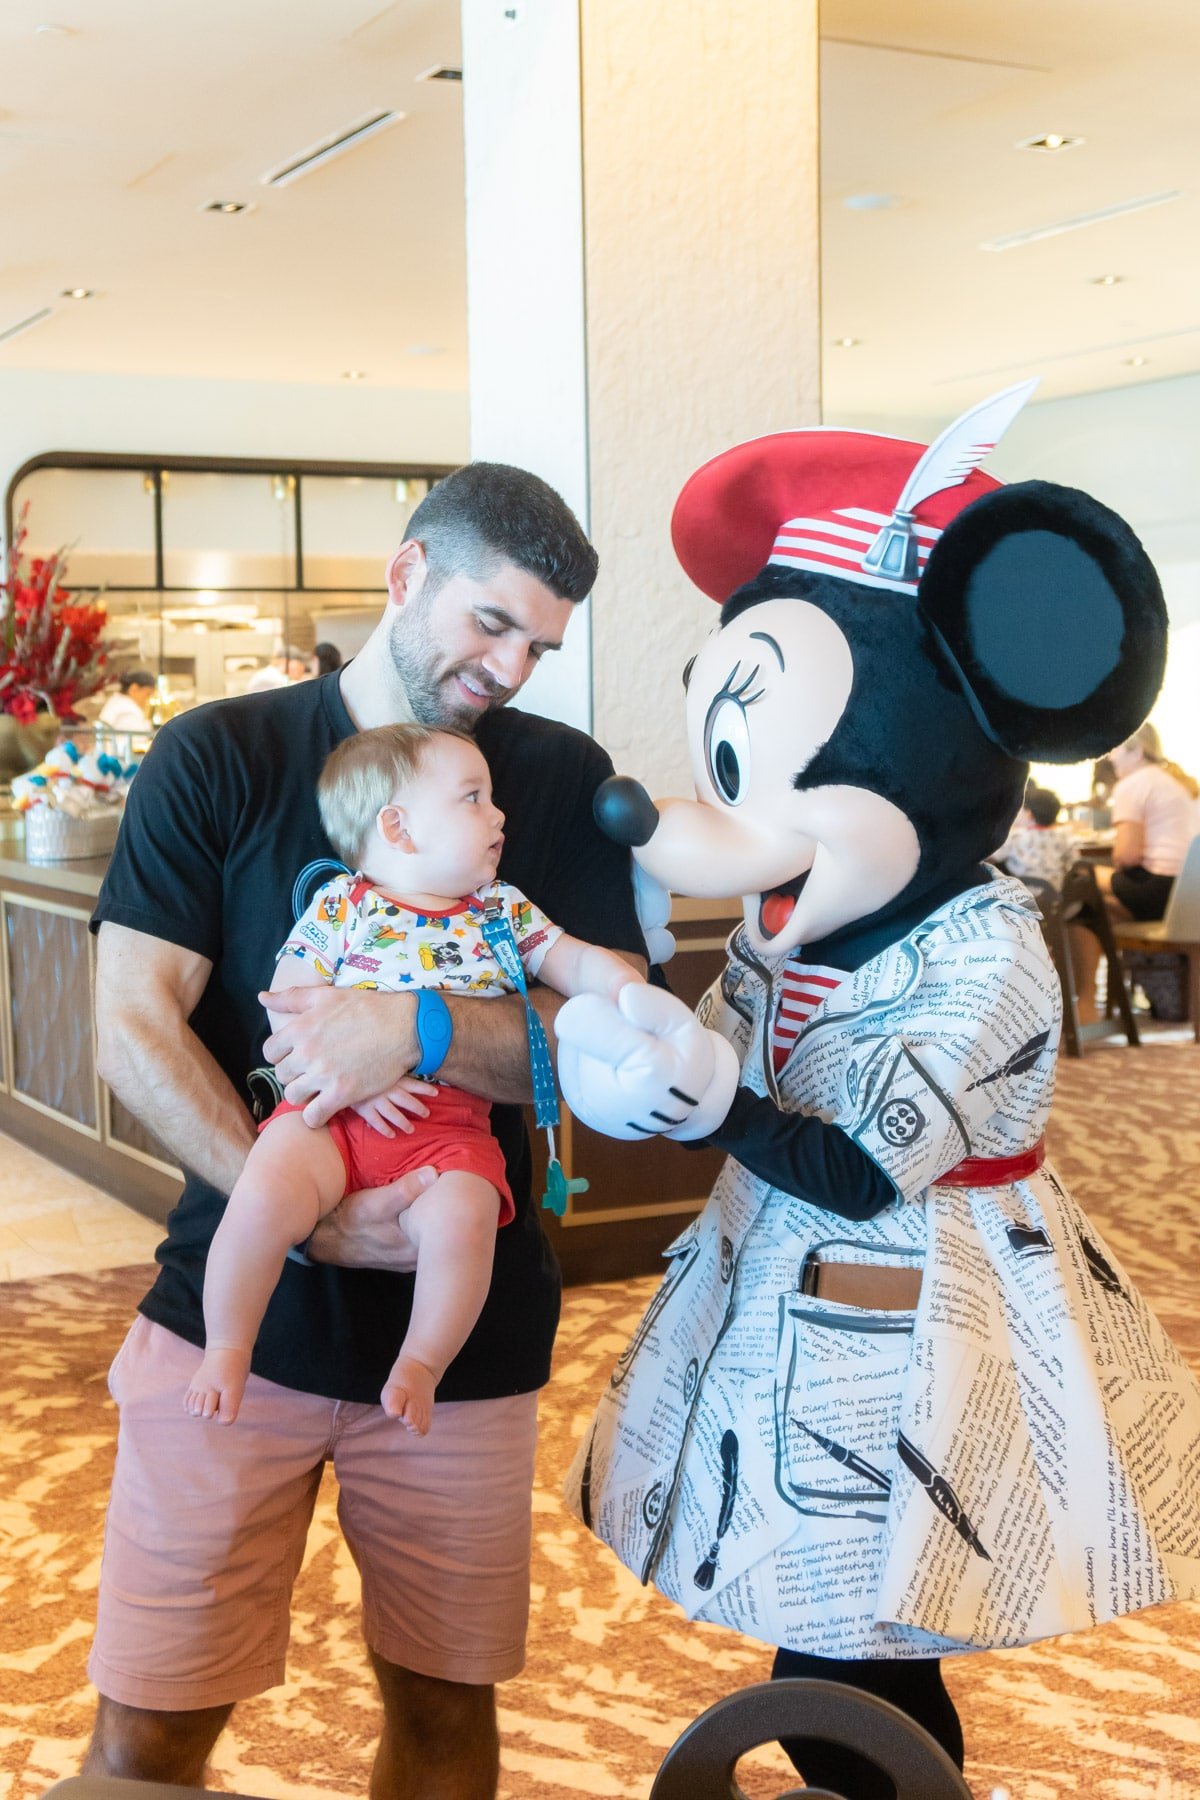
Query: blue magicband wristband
435	1028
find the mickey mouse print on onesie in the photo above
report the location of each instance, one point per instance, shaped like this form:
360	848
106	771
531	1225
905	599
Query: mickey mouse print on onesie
894	1398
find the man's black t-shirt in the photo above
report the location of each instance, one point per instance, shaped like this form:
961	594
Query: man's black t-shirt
218	825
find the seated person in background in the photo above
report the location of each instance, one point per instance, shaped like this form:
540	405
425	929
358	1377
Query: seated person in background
412	809
1155	811
287	665
324	660
126	710
1038	848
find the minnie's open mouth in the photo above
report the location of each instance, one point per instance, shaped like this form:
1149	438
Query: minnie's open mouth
776	907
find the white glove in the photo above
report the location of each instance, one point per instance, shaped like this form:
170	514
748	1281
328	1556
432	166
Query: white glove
643	1067
653	904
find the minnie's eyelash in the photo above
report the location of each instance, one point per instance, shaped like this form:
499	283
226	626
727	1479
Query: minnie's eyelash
740	694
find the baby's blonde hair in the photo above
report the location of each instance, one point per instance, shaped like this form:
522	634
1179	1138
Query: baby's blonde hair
362	774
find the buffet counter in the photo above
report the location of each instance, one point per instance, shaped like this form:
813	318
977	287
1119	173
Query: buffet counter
51	1097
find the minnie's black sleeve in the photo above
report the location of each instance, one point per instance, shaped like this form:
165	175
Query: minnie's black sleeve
802	1155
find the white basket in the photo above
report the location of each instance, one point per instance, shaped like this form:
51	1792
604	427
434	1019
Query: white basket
54	836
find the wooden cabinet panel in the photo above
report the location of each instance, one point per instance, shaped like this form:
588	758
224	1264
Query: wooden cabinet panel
641	1195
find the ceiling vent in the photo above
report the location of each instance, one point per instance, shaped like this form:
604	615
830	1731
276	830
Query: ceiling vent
440	72
325	151
12	331
1038	232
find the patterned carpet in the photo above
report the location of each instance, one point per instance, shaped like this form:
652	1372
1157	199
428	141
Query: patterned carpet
613	1674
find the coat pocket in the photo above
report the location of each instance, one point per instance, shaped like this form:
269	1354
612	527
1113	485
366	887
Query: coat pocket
839	1380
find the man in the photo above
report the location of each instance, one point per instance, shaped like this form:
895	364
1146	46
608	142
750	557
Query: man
206	1528
126	710
287	664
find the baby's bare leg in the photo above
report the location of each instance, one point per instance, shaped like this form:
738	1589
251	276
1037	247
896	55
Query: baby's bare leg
453	1225
293	1177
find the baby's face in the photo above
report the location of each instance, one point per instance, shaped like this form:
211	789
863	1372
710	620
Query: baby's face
455	830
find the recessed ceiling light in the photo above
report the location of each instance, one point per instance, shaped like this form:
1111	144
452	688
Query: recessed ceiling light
1136	362
846	343
870	202
1107	280
53	31
354	374
425	350
1051	140
226	206
440	72
78	293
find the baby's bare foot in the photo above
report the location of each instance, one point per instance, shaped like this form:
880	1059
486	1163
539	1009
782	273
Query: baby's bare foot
218	1385
408	1394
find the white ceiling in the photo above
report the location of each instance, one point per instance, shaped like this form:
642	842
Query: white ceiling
924	100
113	137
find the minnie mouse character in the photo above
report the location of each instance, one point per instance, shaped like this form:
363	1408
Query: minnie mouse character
894	1398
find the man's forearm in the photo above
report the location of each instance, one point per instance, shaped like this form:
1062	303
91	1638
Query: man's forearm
171	1083
489	1052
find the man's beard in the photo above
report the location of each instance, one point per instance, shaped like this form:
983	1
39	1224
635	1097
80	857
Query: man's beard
430	687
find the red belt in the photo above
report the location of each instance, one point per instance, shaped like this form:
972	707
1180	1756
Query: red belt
994	1171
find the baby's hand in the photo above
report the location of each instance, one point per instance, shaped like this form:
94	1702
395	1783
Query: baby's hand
388	1111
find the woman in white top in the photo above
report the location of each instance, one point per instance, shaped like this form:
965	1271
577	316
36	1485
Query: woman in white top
1155	811
126	711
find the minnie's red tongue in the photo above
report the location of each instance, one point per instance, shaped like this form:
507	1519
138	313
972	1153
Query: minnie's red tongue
775	911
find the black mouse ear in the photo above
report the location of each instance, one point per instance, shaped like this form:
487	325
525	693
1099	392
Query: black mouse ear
1052	617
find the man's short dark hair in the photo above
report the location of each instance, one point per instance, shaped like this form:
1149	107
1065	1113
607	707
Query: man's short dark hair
487	513
136	678
1044	806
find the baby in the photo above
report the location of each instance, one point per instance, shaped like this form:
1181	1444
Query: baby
412	810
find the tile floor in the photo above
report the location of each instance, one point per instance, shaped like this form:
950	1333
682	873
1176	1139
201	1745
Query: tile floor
52	1222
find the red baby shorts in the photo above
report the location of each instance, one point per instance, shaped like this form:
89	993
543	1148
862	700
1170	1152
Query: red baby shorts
456	1135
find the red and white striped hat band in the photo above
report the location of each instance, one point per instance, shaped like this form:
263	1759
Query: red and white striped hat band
853	504
838	541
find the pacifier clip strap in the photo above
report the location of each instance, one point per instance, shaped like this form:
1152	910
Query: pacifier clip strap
498	934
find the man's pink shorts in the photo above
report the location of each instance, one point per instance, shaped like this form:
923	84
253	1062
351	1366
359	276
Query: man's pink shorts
207	1523
456	1135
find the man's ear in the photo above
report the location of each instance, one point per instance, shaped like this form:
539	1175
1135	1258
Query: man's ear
406	572
391	823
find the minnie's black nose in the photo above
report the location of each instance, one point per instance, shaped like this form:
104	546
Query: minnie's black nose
624	811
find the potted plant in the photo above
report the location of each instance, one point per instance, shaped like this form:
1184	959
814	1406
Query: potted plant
51	653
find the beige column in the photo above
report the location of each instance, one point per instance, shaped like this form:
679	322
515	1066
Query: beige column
643	291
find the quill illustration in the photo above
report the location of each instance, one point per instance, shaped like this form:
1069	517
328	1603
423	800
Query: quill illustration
585	1483
1102	1271
857	1465
946	464
941	1493
1018	1062
729	1482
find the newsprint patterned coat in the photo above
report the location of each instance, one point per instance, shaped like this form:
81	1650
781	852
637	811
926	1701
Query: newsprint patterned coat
1017	1458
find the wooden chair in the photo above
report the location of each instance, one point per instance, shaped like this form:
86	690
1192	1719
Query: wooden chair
701	1764
1081	893
1177	933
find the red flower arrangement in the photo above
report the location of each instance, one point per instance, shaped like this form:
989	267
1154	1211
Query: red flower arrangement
50	640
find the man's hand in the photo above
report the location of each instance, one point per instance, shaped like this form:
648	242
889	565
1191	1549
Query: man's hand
337	1046
643	1067
365	1230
